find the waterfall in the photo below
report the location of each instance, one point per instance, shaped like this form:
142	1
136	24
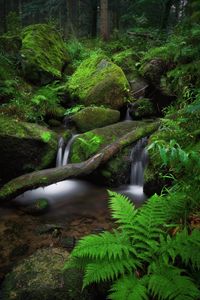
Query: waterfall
67	150
63	156
128	116
139	159
60	152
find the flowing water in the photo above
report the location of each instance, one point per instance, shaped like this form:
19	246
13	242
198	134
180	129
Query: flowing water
60	152
67	150
128	116
139	160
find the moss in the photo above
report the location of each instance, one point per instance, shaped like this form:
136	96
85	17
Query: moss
99	81
95	117
41	277
106	135
127	60
20	144
44	53
117	170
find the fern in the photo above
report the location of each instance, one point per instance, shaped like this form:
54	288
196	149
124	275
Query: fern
129	288
140	257
168	282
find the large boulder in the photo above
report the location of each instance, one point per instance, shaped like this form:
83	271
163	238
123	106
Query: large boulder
43	53
24	147
41	277
99	81
95	117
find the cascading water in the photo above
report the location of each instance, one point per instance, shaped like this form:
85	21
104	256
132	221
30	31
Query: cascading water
67	150
60	152
128	116
139	160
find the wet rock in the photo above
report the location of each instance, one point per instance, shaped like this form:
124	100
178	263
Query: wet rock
43	53
153	70
99	81
19	251
20	144
68	242
40	206
95	117
41	277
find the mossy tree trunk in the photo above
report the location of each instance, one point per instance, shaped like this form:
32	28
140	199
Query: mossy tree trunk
49	176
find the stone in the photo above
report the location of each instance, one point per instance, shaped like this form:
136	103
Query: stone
41	277
24	147
43	53
95	117
99	81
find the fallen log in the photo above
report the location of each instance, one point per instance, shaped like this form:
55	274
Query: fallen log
46	177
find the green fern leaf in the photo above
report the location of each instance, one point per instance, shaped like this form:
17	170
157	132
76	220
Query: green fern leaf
123	210
129	288
105	269
167	282
112	245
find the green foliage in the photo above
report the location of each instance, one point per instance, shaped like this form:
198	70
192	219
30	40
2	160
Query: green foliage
74	109
46	136
87	146
13	23
77	51
140	257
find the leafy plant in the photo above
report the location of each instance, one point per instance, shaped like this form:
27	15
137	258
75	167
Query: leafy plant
73	110
140	258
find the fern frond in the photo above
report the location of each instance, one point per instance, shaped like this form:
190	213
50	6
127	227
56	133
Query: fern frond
122	210
184	245
148	227
129	288
103	270
111	245
167	282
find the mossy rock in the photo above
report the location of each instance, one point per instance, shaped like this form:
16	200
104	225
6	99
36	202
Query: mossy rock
41	277
43	53
99	81
142	108
24	147
117	170
95	117
40	206
153	70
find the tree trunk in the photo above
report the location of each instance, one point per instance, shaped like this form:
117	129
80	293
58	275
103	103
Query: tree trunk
49	176
167	10
104	30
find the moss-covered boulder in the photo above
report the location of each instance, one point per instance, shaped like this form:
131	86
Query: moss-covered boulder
99	81
41	277
24	147
153	70
95	117
142	108
43	53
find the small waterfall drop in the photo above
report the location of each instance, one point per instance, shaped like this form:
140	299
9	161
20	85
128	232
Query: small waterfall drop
139	160
67	150
128	116
60	152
